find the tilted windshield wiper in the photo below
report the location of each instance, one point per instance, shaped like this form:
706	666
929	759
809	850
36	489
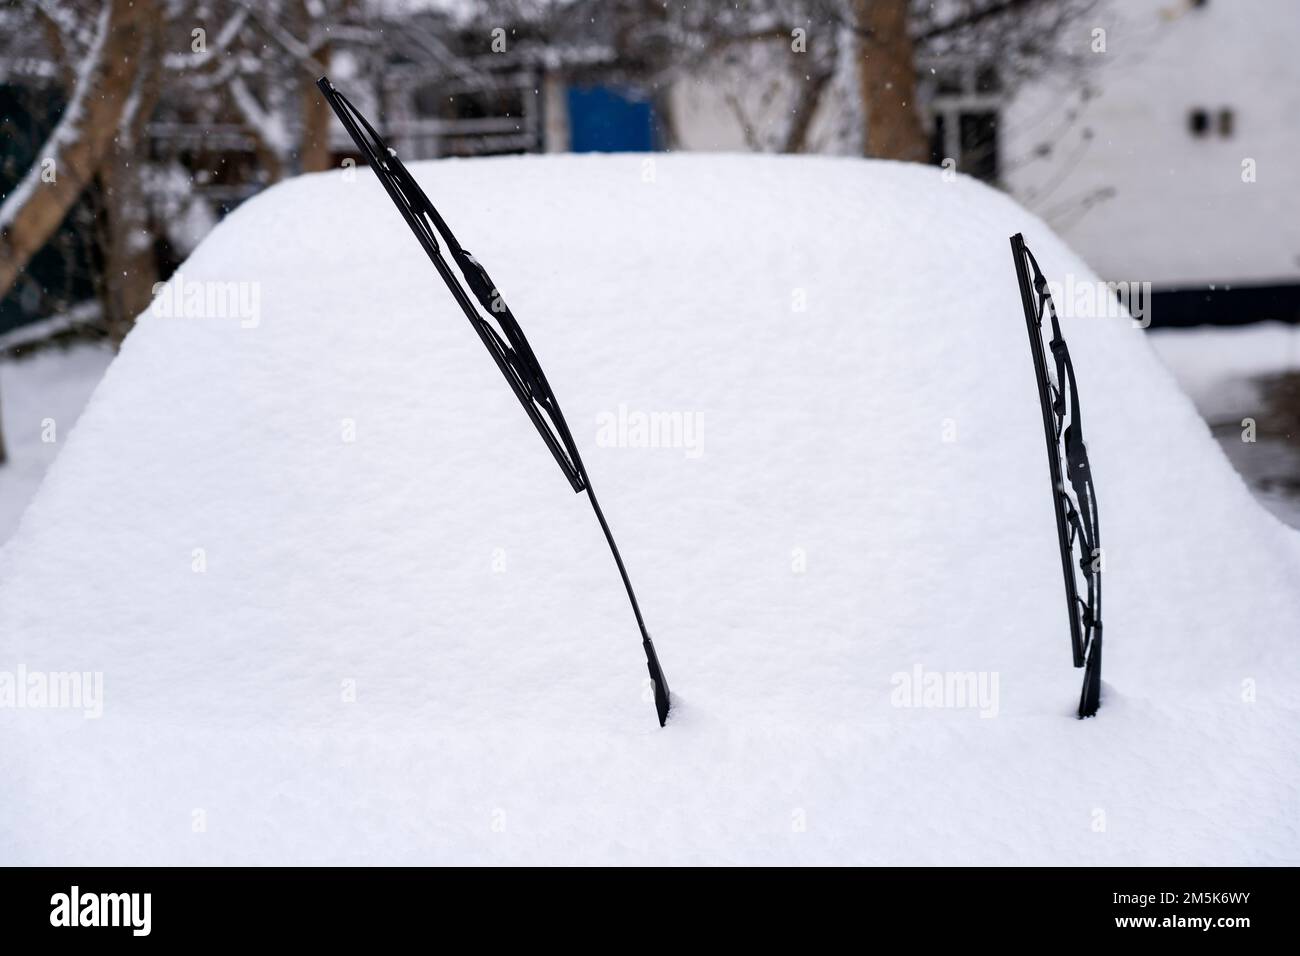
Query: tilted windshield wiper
498	330
1076	513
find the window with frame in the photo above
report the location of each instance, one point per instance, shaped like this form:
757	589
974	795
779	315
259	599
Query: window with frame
963	104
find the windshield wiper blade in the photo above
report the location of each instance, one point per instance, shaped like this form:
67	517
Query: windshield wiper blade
1067	458
498	330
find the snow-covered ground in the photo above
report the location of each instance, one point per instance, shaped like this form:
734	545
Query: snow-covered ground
346	608
1226	372
40	398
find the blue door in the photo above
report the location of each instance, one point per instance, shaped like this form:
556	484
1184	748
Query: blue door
603	119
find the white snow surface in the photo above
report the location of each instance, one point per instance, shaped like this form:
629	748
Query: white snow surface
1220	368
502	715
1226	373
40	398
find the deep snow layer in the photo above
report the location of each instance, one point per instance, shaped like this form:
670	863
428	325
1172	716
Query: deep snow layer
826	325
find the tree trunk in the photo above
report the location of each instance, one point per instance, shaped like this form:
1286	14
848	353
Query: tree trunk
316	121
887	82
36	207
130	265
317	118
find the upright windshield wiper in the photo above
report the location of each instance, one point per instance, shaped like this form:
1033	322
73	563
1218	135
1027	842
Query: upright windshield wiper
1076	514
497	329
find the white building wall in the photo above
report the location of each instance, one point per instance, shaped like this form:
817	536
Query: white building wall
1126	182
1180	212
702	120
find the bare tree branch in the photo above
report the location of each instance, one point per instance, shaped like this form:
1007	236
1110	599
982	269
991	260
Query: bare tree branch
33	211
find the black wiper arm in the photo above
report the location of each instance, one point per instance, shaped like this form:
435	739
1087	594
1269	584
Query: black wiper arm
505	342
428	225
